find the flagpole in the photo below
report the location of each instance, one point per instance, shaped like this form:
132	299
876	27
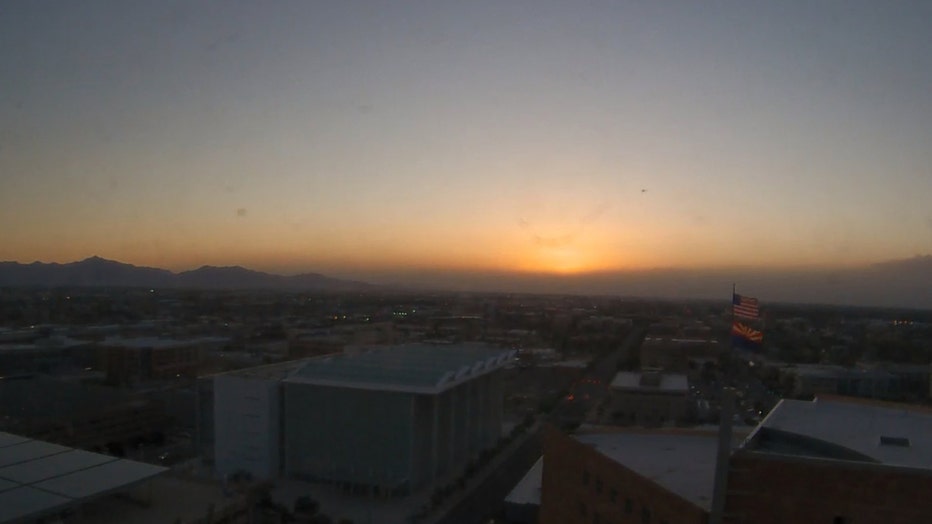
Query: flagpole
726	412
731	350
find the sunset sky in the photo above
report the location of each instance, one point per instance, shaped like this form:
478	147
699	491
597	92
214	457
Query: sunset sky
352	138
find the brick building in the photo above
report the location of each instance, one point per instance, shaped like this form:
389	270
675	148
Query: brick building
834	460
128	360
636	476
649	398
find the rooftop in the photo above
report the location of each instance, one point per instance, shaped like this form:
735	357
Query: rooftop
40	478
277	371
664	383
682	462
884	433
158	343
418	368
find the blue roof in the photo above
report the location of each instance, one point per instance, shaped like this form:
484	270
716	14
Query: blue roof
412	367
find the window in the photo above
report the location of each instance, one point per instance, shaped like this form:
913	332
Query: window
585	477
613	495
629	506
583	510
645	516
596	519
598	485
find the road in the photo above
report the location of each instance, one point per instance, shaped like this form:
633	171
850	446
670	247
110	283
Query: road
486	501
594	386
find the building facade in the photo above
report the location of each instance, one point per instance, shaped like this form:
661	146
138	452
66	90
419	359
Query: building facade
836	460
127	361
383	421
390	421
833	460
627	477
649	398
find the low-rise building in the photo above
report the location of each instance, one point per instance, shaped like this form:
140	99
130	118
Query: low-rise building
128	360
429	410
649	398
79	415
834	459
657	476
677	354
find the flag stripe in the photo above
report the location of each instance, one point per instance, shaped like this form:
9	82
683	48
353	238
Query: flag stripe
752	335
746	307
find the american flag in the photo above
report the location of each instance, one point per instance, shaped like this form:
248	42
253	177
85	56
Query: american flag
745	307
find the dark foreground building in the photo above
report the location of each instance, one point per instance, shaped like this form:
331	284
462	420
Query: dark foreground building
831	460
834	460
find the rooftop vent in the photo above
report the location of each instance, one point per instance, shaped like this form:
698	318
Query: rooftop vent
902	442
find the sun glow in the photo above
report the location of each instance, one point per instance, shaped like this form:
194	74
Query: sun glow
564	260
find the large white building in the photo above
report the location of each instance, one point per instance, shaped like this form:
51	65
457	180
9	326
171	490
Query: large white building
395	419
245	419
382	421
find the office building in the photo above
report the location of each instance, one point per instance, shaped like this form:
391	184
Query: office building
837	460
386	421
392	420
649	398
643	476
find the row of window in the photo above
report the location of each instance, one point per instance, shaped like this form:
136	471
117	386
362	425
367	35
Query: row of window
613	497
629	508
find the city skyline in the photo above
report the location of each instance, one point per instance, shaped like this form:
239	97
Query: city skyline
533	138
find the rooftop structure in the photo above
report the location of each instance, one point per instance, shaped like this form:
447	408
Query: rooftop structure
650	381
681	462
628	475
413	368
650	398
276	371
838	428
40	478
834	459
429	410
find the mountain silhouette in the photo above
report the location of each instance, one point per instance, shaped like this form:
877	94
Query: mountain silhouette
100	272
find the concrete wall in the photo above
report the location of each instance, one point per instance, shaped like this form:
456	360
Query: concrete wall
349	436
581	485
204	429
392	441
768	489
247	421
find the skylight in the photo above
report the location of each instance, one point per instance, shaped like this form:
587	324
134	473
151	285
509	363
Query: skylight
902	442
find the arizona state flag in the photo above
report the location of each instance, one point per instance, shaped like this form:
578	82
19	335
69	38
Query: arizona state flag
745	336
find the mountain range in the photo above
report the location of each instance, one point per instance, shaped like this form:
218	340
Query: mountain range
100	272
895	283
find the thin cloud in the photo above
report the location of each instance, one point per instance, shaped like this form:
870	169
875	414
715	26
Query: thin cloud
554	241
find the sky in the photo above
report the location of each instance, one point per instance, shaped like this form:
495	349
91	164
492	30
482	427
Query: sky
365	138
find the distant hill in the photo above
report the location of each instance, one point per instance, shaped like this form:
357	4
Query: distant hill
895	283
100	272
